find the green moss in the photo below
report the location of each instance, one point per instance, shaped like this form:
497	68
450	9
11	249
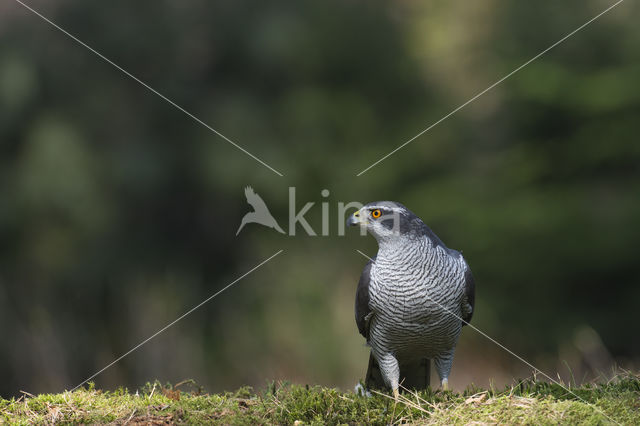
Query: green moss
527	403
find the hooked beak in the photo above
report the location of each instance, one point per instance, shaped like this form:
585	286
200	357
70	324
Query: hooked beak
354	219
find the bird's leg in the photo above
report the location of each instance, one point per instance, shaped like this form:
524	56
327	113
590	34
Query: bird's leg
443	367
445	384
390	370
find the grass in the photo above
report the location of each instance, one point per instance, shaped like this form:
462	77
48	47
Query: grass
529	402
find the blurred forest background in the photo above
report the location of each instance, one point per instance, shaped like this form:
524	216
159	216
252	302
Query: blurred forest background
118	212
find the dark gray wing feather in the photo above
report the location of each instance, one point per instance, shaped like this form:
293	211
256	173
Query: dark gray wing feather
470	296
362	301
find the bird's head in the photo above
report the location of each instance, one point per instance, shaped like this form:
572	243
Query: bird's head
387	220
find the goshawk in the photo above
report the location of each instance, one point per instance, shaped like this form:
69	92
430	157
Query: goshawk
412	300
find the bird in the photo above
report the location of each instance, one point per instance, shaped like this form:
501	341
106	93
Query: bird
260	213
412	299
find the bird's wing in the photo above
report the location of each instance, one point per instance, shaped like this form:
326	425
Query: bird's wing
363	311
254	199
469	300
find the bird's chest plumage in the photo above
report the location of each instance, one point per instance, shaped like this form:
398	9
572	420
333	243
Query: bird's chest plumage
413	293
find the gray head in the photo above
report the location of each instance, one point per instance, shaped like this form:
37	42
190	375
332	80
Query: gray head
388	221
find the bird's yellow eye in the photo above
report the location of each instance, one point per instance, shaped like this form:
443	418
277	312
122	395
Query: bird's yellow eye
376	213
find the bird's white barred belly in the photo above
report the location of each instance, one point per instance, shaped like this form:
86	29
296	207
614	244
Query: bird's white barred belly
411	341
416	299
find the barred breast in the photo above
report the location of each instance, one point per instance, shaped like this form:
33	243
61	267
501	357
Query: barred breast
411	290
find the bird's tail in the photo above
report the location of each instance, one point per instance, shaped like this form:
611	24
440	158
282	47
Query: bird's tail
415	375
374	378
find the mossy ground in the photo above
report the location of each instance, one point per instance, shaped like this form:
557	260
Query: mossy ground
527	403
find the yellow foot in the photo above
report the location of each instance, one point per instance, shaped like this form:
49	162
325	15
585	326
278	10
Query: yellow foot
445	384
396	394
